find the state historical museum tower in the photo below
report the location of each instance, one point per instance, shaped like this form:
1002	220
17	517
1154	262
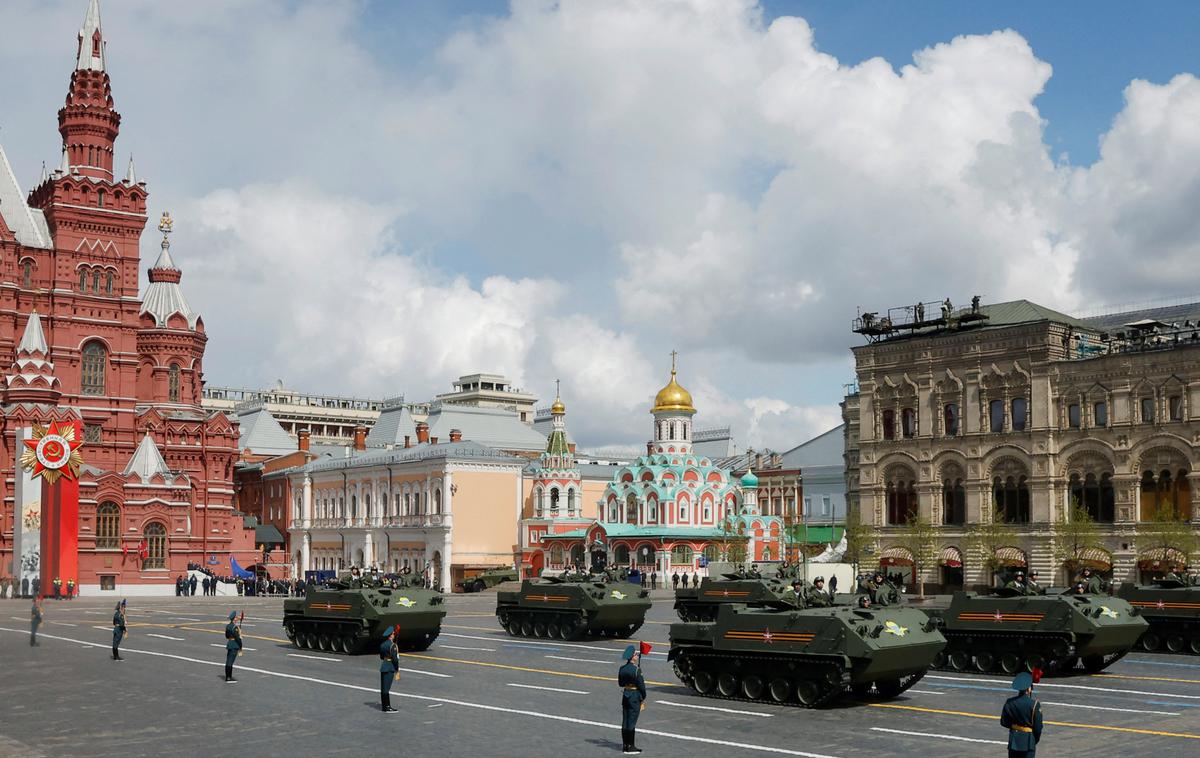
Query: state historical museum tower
77	342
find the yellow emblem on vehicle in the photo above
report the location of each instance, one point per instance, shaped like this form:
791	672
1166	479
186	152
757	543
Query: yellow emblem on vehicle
618	594
891	627
1104	609
405	602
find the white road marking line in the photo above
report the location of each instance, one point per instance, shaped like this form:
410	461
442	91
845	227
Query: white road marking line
939	736
95	613
527	641
713	708
218	644
18	618
930	692
1106	708
165	637
456	647
314	657
580	660
548	689
103	628
463	703
190	621
435	705
62	623
1044	684
428	673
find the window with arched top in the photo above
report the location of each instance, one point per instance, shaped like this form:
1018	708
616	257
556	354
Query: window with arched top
556	555
83	279
554	500
682	555
95	365
1165	496
173	383
954	502
96	282
1011	497
631	509
108	526
572	498
1094	495
621	555
27	274
437	501
156	546
100	195
901	494
108	283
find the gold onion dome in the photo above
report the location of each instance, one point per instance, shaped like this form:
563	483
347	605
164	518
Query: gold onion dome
558	407
673	397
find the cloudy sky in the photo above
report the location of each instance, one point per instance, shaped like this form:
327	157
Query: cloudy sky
375	197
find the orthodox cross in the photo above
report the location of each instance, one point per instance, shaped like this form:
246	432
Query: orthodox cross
674	353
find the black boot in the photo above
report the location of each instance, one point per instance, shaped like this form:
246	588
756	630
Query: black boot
624	740
633	748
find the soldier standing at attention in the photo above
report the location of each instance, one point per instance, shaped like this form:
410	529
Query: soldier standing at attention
633	698
390	656
35	620
119	630
1022	716
818	597
1032	585
233	645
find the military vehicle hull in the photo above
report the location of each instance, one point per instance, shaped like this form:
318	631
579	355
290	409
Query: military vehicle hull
805	658
487	579
1173	613
1054	633
702	603
571	610
351	621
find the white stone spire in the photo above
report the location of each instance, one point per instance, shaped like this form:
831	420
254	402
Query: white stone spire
147	461
34	340
164	297
130	173
91	40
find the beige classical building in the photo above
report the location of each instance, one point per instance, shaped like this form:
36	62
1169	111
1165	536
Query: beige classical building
1017	409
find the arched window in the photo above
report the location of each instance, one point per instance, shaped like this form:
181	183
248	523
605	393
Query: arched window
908	423
572	498
712	552
173	383
95	364
889	424
631	509
108	526
108	283
27	274
100	198
1165	496
83	280
901	497
683	511
577	554
996	415
156	545
556	555
681	555
367	505
1095	496
950	413
621	555
1011	497
437	501
96	282
1018	414
954	503
651	510
644	555
554	501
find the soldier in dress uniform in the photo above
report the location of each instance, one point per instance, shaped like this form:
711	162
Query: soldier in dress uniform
119	630
633	697
1017	584
798	590
389	656
817	596
1022	716
35	620
1032	586
57	584
233	645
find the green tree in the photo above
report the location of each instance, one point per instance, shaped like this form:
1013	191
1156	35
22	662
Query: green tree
733	541
986	537
860	539
919	537
1074	537
1166	531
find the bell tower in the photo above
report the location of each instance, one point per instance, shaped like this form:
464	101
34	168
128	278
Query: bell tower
88	122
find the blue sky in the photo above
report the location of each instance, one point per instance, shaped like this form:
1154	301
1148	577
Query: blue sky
391	194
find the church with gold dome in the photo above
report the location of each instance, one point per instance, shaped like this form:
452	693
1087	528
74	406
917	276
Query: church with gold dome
670	510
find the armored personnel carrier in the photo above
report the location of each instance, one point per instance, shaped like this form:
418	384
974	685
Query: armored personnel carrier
573	605
489	578
1010	632
1172	608
773	590
348	616
804	657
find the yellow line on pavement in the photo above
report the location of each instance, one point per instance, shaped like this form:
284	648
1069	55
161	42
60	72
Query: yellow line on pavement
1104	727
526	668
1146	678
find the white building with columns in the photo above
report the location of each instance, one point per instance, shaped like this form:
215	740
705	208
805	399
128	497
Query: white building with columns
446	509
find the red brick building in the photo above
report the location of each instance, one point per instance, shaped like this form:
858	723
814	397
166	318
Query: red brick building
156	490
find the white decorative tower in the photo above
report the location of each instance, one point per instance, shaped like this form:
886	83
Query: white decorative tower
557	489
673	411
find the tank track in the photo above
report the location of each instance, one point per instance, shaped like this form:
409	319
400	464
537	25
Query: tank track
340	637
823	682
555	625
985	652
1181	637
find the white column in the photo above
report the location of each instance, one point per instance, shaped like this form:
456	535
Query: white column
307	504
305	552
447	527
368	548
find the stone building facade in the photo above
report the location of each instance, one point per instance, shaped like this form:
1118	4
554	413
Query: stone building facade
1019	410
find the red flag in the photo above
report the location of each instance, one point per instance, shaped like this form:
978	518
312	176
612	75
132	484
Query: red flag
1037	675
645	648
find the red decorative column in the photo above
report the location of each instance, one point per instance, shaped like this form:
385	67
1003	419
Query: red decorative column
53	454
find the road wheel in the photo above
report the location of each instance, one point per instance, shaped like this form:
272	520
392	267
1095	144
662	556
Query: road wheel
1151	641
539	628
807	691
1010	663
553	630
1195	644
960	660
703	682
526	628
311	642
479	585
727	684
1176	643
336	644
939	661
780	689
350	644
326	641
753	686
1035	661
984	662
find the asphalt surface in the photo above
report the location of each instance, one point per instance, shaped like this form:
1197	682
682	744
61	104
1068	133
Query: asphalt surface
479	692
